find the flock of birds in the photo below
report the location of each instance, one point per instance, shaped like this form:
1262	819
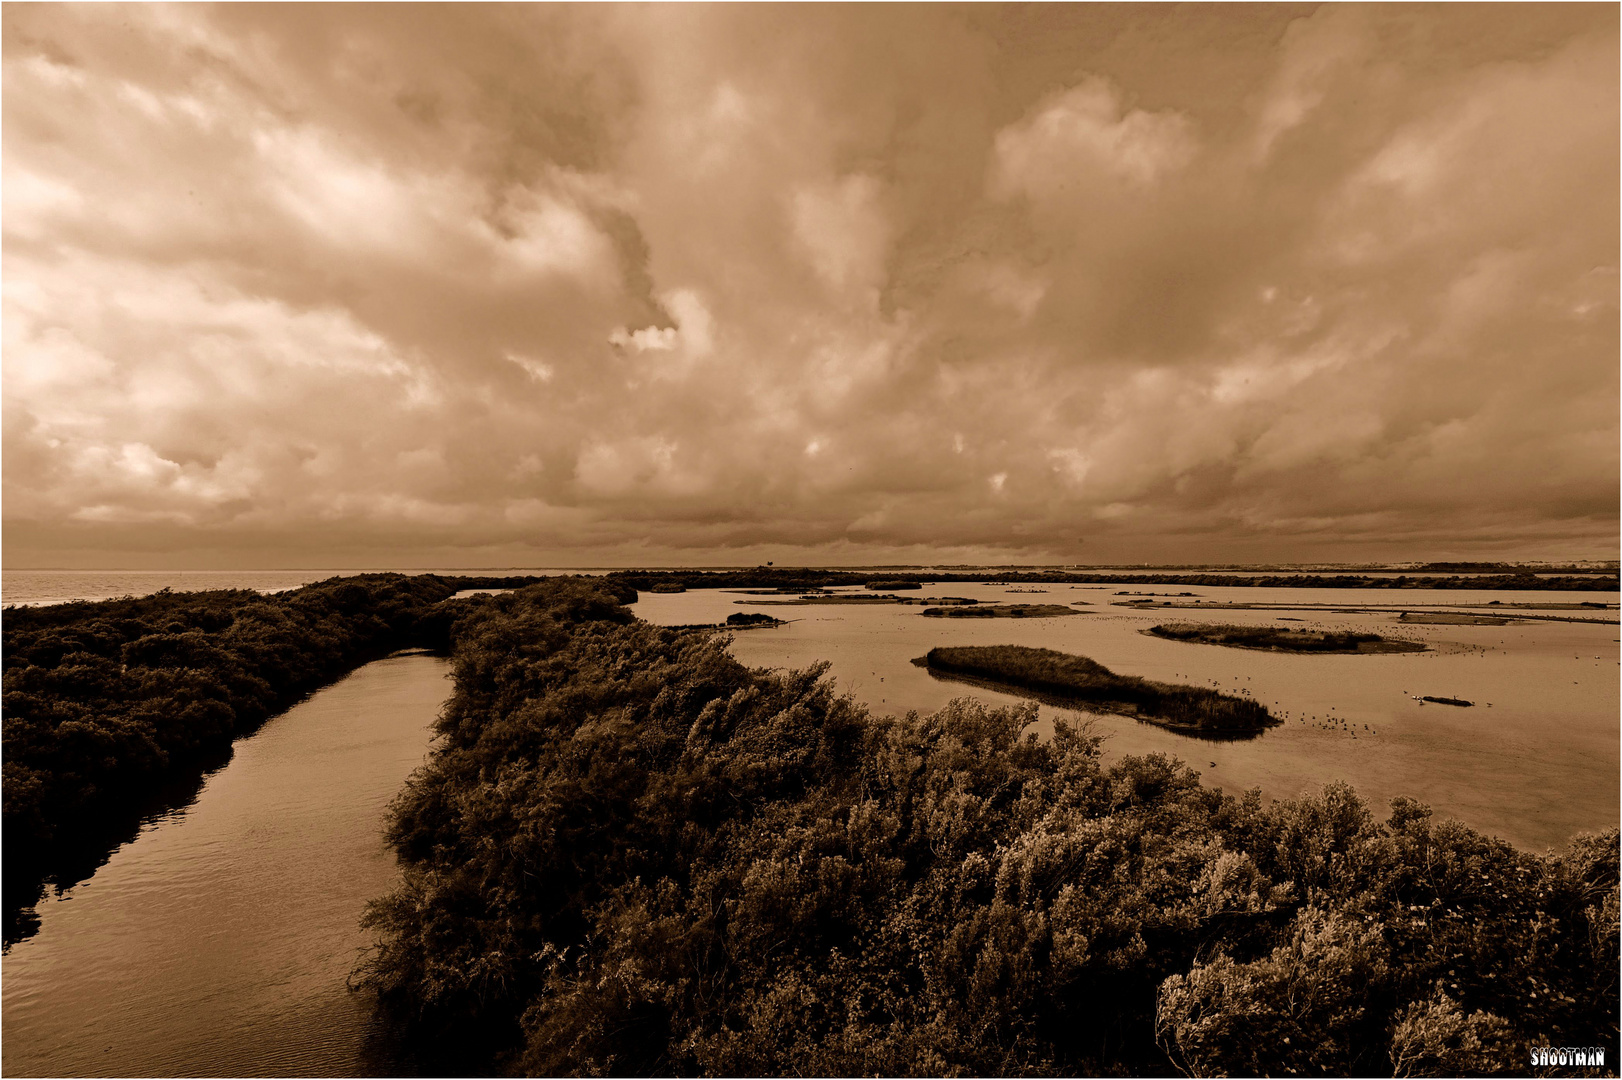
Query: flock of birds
1326	722
1330	721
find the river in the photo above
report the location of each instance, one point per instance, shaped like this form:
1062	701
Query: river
219	941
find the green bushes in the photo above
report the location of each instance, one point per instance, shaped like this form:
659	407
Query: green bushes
629	854
1076	678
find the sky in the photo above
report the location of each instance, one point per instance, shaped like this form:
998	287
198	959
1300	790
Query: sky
602	285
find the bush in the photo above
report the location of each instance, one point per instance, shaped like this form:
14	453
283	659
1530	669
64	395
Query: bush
104	702
629	854
1080	679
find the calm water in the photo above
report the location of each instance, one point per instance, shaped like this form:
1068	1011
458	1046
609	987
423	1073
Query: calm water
1537	766
59	586
218	942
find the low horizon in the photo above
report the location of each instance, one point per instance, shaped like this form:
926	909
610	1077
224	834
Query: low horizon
1284	564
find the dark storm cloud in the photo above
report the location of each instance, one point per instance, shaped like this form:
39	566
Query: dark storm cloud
699	283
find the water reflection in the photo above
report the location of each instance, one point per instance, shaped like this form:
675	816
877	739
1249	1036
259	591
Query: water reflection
74	863
219	941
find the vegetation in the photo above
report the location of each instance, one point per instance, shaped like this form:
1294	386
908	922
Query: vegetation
629	854
803	578
1000	611
1078	679
1281	639
1452	618
880	585
740	618
668	587
1609	567
106	703
822	599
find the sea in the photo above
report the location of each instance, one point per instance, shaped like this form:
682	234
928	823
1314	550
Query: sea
29	587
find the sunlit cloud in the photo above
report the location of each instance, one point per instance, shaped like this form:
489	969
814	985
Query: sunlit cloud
712	284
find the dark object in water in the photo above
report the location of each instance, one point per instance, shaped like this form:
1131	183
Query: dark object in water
1001	611
878	586
749	618
1281	639
1448	701
1452	618
1072	681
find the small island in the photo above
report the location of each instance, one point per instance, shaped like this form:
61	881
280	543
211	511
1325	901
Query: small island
1001	611
741	620
1452	618
829	599
1283	639
1068	680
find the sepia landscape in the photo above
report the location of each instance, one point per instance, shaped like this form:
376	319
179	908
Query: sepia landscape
835	540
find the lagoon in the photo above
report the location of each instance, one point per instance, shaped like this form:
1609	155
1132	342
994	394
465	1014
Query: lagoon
1537	766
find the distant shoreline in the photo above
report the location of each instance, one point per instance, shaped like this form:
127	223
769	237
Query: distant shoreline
801	578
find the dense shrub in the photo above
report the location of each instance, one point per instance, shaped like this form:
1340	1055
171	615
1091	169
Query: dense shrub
105	700
745	618
961	610
630	854
1282	638
1080	679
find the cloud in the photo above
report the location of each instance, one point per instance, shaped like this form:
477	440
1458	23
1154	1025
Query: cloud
1330	44
1085	134
717	284
842	228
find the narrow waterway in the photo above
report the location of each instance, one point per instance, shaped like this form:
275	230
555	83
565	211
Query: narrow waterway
219	941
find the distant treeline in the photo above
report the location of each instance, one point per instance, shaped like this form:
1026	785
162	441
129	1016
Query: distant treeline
629	854
106	701
792	578
1510	568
